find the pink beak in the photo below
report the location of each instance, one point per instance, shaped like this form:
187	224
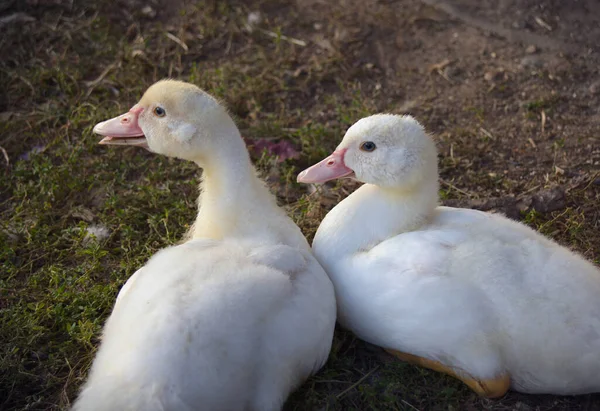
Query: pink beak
329	169
123	130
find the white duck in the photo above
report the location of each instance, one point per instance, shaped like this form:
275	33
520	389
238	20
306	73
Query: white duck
475	295
236	317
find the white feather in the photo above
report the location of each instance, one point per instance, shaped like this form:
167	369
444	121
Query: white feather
475	291
235	318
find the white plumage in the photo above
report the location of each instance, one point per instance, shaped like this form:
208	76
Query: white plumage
485	297
236	317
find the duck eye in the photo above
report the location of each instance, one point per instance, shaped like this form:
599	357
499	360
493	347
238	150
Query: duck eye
368	146
159	111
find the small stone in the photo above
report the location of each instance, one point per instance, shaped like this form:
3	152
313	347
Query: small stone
531	61
531	49
549	200
318	26
489	75
148	11
254	18
594	88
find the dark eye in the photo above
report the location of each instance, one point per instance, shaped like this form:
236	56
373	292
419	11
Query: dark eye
368	146
159	111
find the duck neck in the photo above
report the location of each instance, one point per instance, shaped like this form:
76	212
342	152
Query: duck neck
234	202
371	215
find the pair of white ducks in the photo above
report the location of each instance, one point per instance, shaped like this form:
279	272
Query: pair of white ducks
242	313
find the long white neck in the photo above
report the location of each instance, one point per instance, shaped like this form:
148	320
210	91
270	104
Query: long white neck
234	202
370	215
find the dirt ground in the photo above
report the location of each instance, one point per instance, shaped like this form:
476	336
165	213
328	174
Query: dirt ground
510	89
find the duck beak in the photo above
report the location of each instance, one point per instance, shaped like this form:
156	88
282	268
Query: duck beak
123	130
328	169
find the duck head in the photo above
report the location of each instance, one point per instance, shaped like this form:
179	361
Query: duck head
390	151
173	118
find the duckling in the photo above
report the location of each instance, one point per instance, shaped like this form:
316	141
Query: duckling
475	295
234	318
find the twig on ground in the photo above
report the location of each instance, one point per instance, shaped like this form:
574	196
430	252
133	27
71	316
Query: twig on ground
439	67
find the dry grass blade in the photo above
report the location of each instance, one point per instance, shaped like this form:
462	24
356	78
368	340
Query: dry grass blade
5	154
177	40
439	66
92	84
542	23
364	377
447	184
292	40
16	18
487	133
532	142
543	114
409	405
591	181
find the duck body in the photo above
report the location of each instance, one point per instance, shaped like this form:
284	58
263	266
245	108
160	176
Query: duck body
235	317
476	295
217	330
478	291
